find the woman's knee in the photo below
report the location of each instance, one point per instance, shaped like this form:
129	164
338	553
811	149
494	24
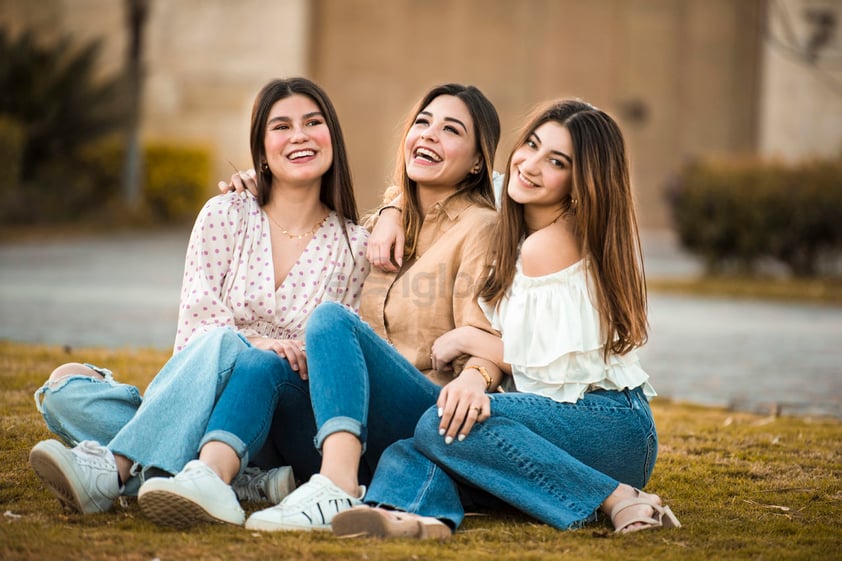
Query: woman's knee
326	316
74	369
254	364
426	436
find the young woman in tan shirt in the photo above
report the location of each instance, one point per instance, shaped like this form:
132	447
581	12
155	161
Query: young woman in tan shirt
372	378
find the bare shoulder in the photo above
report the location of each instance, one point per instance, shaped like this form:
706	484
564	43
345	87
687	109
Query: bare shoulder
548	251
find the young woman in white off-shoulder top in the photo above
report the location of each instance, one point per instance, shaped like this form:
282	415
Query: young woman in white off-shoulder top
572	435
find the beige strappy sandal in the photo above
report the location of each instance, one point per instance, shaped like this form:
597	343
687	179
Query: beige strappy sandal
663	516
367	521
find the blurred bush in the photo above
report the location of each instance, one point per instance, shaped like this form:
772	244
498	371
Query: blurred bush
176	180
12	138
61	147
737	214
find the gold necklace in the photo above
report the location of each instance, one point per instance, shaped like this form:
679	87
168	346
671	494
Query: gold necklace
301	236
547	226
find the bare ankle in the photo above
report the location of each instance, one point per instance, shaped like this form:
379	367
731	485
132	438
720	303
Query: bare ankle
124	467
348	484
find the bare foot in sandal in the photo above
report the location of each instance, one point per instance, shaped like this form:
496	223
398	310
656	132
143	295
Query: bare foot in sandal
632	510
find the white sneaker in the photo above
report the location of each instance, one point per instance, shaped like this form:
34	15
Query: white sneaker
83	478
310	507
271	486
195	495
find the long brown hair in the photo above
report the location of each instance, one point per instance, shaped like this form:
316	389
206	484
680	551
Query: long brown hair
477	186
337	190
605	223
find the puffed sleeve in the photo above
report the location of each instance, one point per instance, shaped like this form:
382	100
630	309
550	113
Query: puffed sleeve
216	231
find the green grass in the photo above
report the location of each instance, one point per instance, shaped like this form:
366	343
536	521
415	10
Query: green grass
819	290
744	487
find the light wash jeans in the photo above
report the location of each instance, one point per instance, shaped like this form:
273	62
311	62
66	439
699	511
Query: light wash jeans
554	461
360	384
217	388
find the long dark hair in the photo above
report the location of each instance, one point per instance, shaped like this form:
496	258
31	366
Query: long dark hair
478	186
605	222
337	190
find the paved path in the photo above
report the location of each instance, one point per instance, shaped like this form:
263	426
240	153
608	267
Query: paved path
123	291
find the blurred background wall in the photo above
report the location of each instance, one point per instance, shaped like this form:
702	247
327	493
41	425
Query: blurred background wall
683	77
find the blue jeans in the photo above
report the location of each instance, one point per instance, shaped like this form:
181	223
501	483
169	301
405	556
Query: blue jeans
217	388
360	384
264	398
555	461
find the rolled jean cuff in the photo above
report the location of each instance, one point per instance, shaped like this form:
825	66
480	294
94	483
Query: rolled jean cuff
340	424
231	440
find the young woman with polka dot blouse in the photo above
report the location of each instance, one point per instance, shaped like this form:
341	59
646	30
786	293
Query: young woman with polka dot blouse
255	269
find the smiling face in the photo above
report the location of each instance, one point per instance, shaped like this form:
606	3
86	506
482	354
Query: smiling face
297	141
440	149
541	168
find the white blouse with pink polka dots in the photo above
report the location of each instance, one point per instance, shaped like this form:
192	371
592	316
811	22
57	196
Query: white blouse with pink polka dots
229	275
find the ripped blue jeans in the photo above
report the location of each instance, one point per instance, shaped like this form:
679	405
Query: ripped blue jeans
219	388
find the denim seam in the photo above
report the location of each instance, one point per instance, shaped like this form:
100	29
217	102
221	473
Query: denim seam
415	504
325	430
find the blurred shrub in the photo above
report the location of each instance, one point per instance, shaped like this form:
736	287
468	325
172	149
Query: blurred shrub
54	92
734	214
176	180
12	137
88	187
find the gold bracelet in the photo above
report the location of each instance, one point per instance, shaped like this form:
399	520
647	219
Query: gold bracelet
483	372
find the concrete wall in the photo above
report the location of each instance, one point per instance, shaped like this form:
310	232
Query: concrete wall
682	76
801	105
205	60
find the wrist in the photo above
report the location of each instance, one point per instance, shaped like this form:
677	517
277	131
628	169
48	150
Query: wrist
482	372
387	207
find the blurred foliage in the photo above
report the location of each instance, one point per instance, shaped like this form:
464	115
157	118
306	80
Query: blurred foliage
54	92
737	214
62	143
176	180
11	153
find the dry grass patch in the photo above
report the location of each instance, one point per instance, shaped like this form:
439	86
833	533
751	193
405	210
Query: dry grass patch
744	486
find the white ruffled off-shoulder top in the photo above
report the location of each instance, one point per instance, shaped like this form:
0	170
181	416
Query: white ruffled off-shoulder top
551	337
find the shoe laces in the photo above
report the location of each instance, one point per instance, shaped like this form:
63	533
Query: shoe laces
95	454
251	484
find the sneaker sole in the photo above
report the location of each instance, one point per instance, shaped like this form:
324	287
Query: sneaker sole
266	526
52	469
169	509
373	523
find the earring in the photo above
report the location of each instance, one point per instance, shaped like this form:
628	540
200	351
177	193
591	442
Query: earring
573	203
264	167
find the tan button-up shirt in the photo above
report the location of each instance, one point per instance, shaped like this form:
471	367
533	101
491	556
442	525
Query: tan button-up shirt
436	291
